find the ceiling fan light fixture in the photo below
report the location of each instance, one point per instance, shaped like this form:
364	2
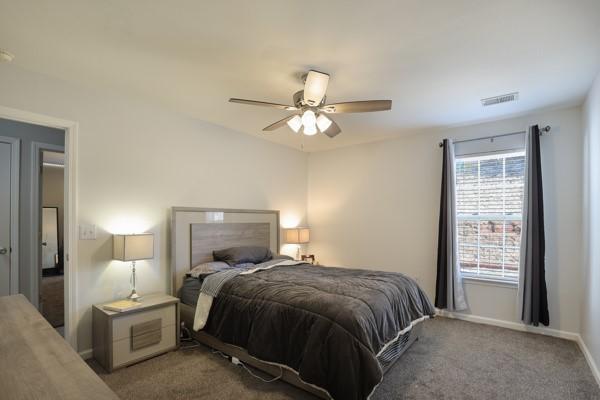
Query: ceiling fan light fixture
310	130
309	118
295	123
323	122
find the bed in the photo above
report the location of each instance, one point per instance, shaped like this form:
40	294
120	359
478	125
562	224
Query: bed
333	332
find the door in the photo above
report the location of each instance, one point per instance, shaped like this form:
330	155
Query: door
5	216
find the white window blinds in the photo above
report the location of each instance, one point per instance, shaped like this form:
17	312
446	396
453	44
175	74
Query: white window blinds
489	192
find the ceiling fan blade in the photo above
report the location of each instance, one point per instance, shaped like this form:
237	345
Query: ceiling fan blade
279	124
333	129
263	103
358	106
315	87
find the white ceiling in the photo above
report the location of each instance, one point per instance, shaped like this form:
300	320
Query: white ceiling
434	59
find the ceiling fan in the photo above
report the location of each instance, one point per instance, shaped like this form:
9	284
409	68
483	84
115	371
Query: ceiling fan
311	108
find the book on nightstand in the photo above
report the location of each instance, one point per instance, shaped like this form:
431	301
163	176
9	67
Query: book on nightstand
122	305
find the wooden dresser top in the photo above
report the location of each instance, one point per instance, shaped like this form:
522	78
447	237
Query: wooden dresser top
37	363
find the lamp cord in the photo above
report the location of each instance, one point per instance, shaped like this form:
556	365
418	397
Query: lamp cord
240	363
189	338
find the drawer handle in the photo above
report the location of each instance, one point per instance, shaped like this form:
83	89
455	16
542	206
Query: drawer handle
146	334
145	340
144	327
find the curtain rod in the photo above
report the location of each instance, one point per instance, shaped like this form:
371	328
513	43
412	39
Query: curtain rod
543	130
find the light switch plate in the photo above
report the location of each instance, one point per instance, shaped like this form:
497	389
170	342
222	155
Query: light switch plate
87	232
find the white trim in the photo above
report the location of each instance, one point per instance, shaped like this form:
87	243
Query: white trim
481	279
35	200
510	325
15	156
589	358
86	354
70	227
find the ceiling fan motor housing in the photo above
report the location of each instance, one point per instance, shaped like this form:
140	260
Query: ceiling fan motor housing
300	102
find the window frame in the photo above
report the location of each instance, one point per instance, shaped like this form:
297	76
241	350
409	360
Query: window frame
477	276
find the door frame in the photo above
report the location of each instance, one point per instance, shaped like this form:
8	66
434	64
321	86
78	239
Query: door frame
71	129
35	216
15	156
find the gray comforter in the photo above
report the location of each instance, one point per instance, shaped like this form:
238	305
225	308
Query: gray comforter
328	324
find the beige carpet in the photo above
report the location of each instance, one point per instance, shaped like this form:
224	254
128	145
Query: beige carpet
52	296
452	360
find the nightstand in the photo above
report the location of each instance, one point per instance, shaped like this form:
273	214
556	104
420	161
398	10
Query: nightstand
124	338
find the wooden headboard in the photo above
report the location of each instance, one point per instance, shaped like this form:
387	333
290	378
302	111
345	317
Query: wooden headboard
197	232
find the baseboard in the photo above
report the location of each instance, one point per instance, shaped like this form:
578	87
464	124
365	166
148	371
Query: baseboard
511	325
86	354
589	358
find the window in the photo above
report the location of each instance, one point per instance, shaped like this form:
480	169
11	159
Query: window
489	201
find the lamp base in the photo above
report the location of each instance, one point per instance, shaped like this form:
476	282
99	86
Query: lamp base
133	296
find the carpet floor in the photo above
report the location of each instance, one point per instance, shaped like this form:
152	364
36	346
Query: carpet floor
52	302
451	360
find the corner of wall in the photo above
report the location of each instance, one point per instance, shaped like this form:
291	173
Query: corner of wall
590	282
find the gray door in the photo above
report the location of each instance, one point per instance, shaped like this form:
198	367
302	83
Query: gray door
5	195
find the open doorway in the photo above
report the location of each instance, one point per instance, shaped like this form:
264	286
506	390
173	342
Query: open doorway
22	233
27	151
51	260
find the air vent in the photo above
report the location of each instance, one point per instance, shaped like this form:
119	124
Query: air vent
505	98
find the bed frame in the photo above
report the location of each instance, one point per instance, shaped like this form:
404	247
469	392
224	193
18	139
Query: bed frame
196	232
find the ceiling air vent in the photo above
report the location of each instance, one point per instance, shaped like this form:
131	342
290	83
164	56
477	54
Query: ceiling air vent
504	98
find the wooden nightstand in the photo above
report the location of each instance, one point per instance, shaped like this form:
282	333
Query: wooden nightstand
124	338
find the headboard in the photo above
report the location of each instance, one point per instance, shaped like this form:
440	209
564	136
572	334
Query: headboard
196	232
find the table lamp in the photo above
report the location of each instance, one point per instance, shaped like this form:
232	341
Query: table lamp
297	236
133	248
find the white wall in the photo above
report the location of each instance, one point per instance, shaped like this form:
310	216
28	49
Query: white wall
376	206
136	160
590	324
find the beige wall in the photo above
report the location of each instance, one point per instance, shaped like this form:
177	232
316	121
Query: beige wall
376	206
590	323
136	160
53	191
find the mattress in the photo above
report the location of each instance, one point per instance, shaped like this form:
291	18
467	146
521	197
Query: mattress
189	292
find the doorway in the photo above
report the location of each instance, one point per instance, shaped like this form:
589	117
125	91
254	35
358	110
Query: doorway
51	228
23	283
27	150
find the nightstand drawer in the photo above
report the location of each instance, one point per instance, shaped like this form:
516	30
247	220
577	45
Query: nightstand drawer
123	325
124	354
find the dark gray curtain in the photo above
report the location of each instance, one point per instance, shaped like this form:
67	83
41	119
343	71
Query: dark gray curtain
533	296
449	292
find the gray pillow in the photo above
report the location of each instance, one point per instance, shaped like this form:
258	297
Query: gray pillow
208	268
243	254
282	257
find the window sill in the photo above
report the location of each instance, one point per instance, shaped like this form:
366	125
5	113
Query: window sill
480	280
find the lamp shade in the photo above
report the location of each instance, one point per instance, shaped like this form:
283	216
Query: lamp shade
297	235
133	247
